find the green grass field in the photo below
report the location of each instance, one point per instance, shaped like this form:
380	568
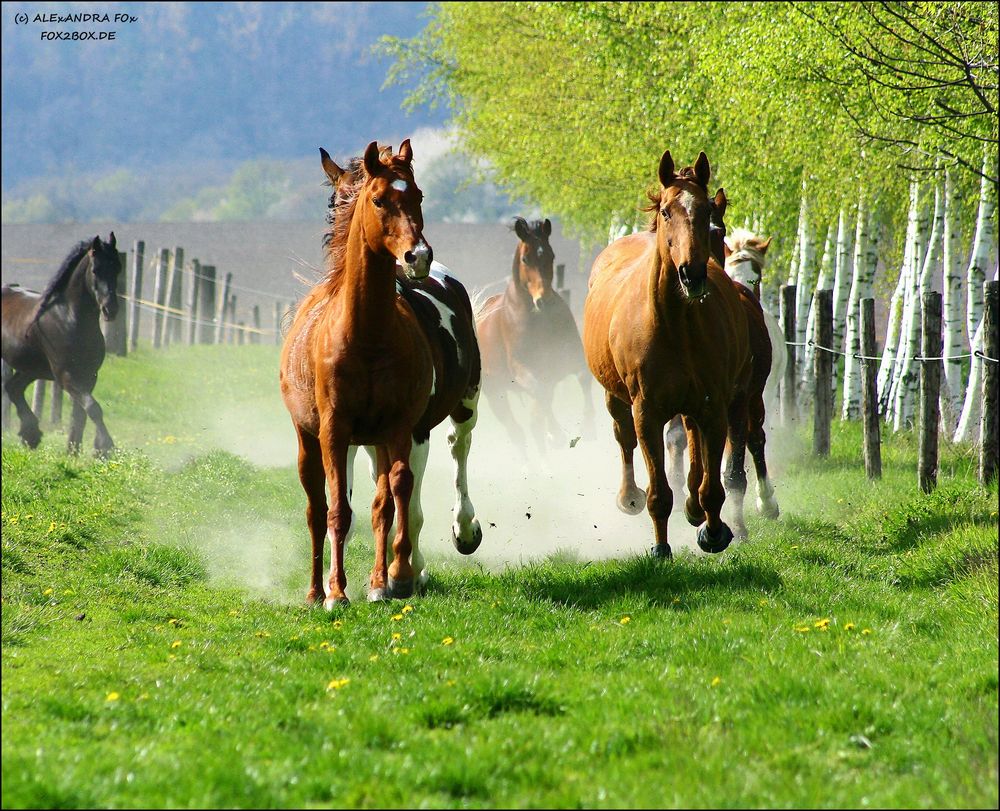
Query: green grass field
157	652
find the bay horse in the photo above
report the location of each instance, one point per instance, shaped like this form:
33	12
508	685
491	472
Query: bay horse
665	333
56	335
376	358
530	340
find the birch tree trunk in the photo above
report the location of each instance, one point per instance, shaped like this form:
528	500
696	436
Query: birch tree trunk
982	246
841	286
865	261
823	282
968	422
952	393
893	328
905	376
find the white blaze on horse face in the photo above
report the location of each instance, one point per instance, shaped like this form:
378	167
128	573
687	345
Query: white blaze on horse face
687	201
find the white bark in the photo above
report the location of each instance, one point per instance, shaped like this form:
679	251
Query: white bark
982	246
823	282
968	422
841	286
865	260
952	311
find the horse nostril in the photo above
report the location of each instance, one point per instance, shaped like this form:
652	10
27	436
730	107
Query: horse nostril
410	257
683	269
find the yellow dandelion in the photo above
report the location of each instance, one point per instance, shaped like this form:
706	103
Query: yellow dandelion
262	634
170	657
234	613
336	684
803	629
68	592
52	526
112	696
850	626
822	624
450	683
794	546
373	657
173	622
625	620
396	637
407	609
762	603
867	631
716	681
47	592
397	617
326	646
447	641
403	651
296	638
726	622
143	696
337	624
676	600
312	648
175	644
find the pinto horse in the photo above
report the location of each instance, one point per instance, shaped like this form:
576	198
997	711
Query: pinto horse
56	335
665	333
530	340
376	358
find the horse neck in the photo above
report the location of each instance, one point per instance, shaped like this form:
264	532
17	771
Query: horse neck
665	288
367	288
78	296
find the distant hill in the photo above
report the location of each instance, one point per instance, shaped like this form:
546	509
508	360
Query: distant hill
192	84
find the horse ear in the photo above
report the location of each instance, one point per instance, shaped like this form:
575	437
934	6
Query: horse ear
372	164
521	229
666	169
702	169
112	241
333	172
721	202
765	245
95	244
547	227
406	152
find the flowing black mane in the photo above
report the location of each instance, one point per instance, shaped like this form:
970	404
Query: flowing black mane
63	275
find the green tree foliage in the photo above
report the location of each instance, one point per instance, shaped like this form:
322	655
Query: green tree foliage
573	103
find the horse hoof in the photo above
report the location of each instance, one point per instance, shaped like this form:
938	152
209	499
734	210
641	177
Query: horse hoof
470	546
422	580
694	514
314	596
661	551
399	589
768	509
31	438
633	503
376	595
331	603
708	542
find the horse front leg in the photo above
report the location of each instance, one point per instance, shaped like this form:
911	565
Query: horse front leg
313	480
714	535
383	511
15	387
400	582
694	512
631	497
103	444
334	442
659	498
466	532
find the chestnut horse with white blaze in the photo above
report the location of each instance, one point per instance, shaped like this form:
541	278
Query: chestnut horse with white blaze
377	358
529	339
665	333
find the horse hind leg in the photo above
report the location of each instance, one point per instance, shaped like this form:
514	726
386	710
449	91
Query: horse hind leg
313	480
15	386
736	474
383	511
631	497
466	532
767	504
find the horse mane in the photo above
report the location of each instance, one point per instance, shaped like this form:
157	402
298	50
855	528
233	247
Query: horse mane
745	244
60	281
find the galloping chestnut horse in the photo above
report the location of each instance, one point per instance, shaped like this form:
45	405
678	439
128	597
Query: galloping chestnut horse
56	335
377	358
529	339
665	333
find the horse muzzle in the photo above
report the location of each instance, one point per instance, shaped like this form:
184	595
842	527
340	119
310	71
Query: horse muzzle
695	284
417	262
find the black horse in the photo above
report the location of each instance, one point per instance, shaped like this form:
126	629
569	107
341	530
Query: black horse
56	335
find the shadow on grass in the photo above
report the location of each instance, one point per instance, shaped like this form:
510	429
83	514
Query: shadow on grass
592	585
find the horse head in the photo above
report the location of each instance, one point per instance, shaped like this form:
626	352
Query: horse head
102	275
717	227
388	203
745	258
533	260
685	213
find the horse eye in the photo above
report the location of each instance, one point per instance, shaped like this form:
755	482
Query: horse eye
665	213
378	202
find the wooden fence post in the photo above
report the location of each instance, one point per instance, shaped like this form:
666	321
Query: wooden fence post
991	377
38	400
789	407
255	336
174	299
194	291
869	392
231	320
160	295
55	412
277	323
823	374
206	305
930	391
138	251
223	303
